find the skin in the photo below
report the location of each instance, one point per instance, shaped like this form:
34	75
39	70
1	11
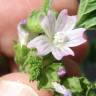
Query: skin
16	10
20	9
24	78
71	5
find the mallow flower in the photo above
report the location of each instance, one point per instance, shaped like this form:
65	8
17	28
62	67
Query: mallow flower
22	34
59	35
61	89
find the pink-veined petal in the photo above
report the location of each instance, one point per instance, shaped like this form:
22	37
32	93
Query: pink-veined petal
22	34
75	42
61	20
67	51
52	21
76	33
61	89
46	26
44	49
40	40
57	53
70	23
42	45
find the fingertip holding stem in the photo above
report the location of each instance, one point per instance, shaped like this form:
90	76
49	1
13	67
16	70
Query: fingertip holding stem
23	78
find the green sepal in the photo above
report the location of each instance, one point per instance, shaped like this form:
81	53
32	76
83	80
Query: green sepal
49	75
33	21
47	5
20	54
74	85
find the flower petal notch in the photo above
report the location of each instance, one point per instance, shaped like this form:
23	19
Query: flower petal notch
59	35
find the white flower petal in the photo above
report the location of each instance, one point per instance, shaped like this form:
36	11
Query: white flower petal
61	20
61	89
68	51
57	53
52	20
70	23
76	33
75	42
58	88
37	41
44	49
45	24
42	45
22	34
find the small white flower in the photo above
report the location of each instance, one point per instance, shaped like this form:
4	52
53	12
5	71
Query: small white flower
61	89
59	35
22	34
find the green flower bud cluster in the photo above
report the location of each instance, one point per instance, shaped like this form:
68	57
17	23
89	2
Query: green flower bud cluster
35	66
28	61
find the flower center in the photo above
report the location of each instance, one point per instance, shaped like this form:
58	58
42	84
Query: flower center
60	39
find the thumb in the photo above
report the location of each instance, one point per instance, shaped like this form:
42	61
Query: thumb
21	80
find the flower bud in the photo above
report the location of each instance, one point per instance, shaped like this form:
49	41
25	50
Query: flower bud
61	71
33	22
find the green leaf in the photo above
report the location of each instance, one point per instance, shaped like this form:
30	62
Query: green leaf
20	54
87	14
74	85
49	75
87	6
48	59
28	61
80	86
85	81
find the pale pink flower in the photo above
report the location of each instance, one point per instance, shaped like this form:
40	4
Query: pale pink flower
61	89
59	35
22	34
